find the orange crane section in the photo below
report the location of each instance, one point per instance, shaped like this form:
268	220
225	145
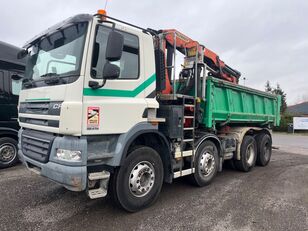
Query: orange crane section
188	46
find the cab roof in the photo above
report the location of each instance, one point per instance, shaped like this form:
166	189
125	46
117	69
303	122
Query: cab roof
75	19
9	54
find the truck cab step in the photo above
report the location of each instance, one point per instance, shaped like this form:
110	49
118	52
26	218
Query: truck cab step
97	193
99	175
185	153
102	178
188	128
183	172
189	105
188	140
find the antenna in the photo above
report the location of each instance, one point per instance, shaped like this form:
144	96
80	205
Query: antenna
106	2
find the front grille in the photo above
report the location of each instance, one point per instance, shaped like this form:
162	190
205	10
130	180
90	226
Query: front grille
42	122
41	108
34	108
36	145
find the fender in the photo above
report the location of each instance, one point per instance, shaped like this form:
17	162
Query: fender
210	136
126	139
142	132
163	150
8	131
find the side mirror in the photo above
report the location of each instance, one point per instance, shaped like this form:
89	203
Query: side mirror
111	71
114	46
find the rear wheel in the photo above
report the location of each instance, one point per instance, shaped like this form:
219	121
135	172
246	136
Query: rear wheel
8	152
264	147
206	164
137	183
248	154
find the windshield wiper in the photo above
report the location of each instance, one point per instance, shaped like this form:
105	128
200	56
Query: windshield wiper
49	74
52	78
27	83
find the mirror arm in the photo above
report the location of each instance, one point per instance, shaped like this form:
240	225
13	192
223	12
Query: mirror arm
95	85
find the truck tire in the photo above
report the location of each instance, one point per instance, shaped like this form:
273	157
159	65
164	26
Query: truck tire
8	152
137	183
248	154
206	164
264	147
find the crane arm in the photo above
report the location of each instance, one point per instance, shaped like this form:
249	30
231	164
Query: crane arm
218	68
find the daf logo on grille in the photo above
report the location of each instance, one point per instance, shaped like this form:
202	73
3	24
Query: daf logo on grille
56	106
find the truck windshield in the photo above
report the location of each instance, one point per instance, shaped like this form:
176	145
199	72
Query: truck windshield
56	58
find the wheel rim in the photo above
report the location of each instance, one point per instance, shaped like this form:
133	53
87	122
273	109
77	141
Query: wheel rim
7	153
141	179
207	164
250	154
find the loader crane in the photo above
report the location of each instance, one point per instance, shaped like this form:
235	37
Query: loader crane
172	39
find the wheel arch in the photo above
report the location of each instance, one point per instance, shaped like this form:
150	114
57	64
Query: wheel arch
153	139
265	131
8	132
212	138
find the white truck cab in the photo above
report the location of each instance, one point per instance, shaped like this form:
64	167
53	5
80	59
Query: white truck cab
67	125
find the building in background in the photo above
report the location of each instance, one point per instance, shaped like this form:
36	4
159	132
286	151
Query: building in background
300	109
298	117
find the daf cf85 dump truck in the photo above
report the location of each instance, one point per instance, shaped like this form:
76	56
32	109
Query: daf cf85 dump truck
102	111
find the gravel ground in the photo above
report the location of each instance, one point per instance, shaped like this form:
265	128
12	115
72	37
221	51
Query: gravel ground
268	198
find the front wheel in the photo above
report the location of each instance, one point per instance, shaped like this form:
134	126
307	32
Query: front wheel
137	183
206	164
8	152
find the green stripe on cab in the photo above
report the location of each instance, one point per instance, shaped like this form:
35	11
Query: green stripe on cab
120	93
38	99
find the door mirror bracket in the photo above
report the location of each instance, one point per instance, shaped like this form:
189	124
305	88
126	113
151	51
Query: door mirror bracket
95	85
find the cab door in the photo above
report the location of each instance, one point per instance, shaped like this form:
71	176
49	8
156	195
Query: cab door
120	103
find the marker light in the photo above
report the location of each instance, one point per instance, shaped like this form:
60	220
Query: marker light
102	13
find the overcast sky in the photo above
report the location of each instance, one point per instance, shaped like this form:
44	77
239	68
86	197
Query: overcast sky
264	39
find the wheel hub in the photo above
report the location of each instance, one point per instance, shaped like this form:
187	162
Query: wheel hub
207	163
250	154
7	153
141	179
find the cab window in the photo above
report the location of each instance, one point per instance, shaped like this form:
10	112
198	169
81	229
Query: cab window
129	62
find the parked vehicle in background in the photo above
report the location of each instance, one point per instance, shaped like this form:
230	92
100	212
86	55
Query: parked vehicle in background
11	72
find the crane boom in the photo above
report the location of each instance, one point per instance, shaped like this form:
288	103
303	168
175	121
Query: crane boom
187	46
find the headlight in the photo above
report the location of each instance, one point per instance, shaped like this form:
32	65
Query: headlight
68	155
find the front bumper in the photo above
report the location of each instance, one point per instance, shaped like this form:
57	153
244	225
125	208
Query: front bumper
37	150
72	175
73	178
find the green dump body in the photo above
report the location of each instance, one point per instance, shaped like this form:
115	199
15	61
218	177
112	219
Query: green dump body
227	103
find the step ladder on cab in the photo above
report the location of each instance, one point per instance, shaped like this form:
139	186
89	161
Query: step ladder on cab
184	145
